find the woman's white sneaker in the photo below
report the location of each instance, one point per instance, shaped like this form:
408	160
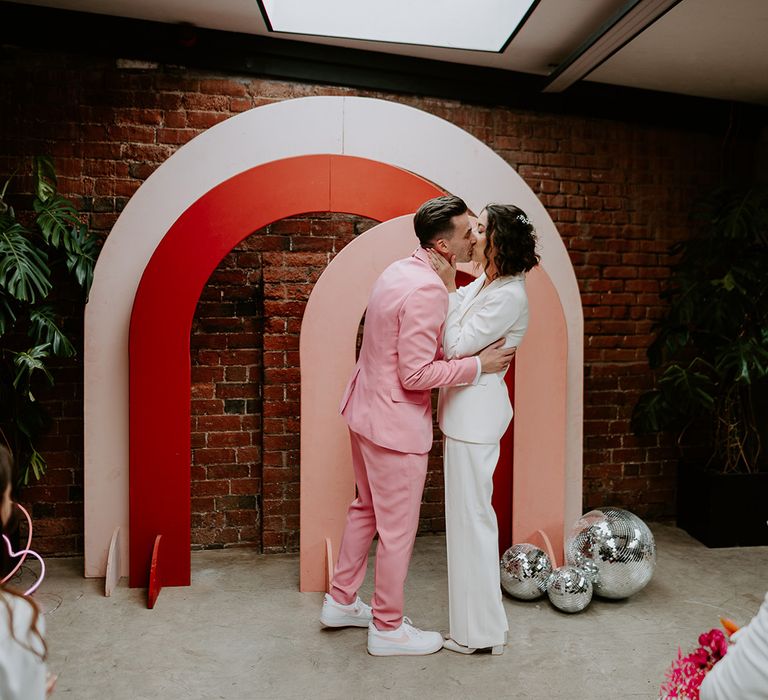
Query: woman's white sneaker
406	640
334	614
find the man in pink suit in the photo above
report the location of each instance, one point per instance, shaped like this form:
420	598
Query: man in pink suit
388	410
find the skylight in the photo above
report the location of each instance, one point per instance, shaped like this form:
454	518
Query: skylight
477	25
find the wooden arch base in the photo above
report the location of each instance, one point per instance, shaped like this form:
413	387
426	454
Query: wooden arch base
164	307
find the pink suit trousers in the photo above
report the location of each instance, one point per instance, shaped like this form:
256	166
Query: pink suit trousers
389	488
388	411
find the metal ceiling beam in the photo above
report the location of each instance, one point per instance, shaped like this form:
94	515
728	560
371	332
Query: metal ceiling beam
630	21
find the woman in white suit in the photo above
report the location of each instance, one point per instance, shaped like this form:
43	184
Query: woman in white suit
474	418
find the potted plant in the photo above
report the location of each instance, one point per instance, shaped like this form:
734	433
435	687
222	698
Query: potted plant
711	382
44	255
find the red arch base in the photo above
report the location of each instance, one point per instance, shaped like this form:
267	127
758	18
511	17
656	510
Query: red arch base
164	308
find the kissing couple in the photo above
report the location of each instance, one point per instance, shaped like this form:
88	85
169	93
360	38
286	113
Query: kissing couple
421	332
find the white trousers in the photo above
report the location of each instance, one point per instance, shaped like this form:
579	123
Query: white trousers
477	617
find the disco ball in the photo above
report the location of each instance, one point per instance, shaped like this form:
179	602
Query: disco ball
525	571
570	590
615	549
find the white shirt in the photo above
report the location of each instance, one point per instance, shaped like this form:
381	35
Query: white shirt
22	672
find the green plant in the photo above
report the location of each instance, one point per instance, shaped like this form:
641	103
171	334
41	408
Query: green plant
35	261
711	348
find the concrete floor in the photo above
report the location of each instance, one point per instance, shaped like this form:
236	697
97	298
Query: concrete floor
243	631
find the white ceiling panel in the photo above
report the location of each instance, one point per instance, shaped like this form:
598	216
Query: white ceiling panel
707	48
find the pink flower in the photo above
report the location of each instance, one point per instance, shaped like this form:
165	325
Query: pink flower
686	673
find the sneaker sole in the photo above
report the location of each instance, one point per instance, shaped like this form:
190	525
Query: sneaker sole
402	651
344	623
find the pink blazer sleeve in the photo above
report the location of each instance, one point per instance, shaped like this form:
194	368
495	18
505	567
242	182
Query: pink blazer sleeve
421	319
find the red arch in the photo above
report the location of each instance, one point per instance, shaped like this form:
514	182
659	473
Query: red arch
164	307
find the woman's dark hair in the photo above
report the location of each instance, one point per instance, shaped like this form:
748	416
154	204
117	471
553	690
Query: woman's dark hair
434	217
511	234
6	468
6	475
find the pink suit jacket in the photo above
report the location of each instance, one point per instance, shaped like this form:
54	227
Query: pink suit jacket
387	399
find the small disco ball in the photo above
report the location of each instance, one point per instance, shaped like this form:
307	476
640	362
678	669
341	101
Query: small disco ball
615	549
525	571
570	589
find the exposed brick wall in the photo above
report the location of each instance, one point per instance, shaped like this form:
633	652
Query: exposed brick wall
245	358
619	194
226	351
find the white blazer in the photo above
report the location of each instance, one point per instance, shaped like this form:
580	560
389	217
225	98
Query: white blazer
476	318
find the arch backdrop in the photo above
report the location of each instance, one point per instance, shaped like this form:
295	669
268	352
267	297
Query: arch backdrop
391	136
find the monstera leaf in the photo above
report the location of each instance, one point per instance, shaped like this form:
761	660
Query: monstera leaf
45	331
24	273
45	178
7	314
81	255
56	217
29	362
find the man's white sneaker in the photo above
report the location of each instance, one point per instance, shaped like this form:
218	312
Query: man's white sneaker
334	614
406	640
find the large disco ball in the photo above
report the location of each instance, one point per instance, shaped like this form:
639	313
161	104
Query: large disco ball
570	589
615	549
525	571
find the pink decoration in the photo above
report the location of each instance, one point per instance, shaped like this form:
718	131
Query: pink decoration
686	673
23	554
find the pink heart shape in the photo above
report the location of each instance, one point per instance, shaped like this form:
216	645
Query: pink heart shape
23	553
32	553
29	542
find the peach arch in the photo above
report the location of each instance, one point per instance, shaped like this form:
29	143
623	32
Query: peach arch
378	130
539	491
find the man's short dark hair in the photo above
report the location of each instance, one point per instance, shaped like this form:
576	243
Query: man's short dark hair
434	217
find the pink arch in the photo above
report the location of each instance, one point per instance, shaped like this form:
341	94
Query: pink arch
163	310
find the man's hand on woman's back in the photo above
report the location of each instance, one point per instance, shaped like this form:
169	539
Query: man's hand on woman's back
494	358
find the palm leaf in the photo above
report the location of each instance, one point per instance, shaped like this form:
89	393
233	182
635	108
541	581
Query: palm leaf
24	273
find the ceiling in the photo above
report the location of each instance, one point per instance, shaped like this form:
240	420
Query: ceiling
704	48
